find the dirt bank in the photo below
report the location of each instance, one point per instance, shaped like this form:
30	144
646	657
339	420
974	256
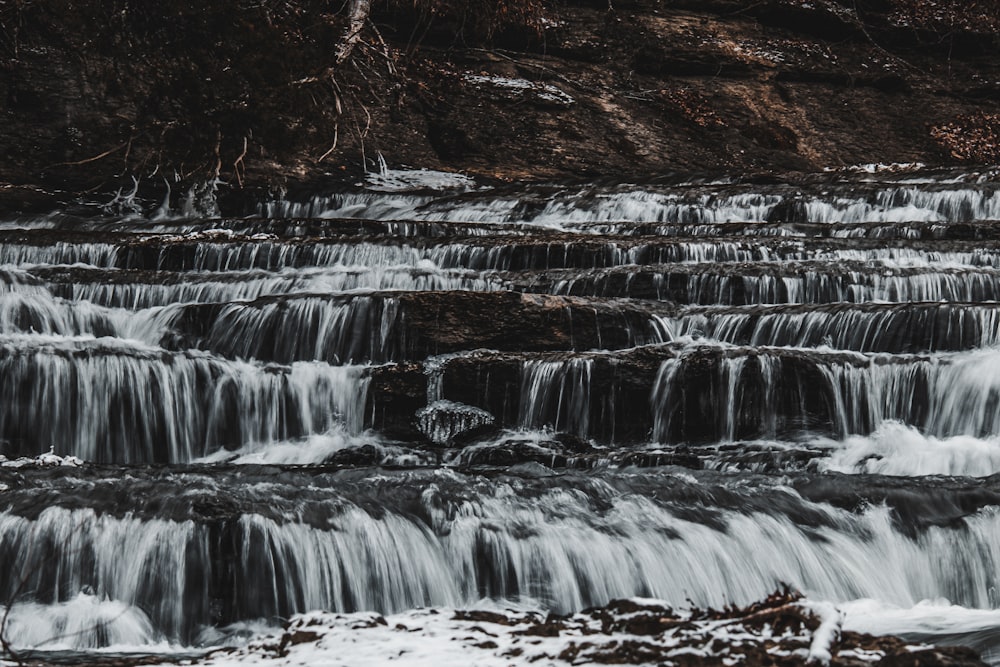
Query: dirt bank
96	93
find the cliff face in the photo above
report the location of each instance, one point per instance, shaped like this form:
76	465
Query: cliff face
96	93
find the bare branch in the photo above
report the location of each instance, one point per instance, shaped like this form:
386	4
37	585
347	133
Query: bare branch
336	134
238	165
106	153
357	16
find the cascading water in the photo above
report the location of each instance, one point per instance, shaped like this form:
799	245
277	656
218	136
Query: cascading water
696	204
450	540
553	396
879	328
117	401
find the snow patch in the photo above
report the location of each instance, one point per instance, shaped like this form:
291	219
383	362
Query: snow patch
827	634
543	91
879	168
404	180
622	633
48	460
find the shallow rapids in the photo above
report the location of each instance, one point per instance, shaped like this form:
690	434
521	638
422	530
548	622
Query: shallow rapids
544	396
369	540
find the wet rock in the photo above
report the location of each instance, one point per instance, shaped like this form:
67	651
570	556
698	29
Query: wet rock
447	422
298	637
513	451
440	322
952	656
675	394
365	455
403	326
481	616
396	392
773	282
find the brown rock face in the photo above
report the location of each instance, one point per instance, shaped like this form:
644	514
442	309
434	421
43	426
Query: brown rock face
178	92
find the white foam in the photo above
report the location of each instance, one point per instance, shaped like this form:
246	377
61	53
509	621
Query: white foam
83	622
899	449
927	617
313	449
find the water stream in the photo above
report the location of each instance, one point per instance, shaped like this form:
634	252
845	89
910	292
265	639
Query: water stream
554	395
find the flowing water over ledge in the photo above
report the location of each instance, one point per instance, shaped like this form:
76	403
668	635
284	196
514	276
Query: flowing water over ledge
551	397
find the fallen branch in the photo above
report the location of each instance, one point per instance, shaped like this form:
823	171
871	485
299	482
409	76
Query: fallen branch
336	135
105	154
218	153
238	164
357	16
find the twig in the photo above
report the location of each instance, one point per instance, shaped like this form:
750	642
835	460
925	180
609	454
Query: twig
218	153
4	642
238	164
522	63
30	569
128	151
336	135
92	159
390	61
871	40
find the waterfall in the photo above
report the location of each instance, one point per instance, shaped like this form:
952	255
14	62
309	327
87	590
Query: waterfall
557	395
94	254
563	547
915	327
544	395
840	394
307	328
119	401
693	205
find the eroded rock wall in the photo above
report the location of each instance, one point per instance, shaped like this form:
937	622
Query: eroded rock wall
96	93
